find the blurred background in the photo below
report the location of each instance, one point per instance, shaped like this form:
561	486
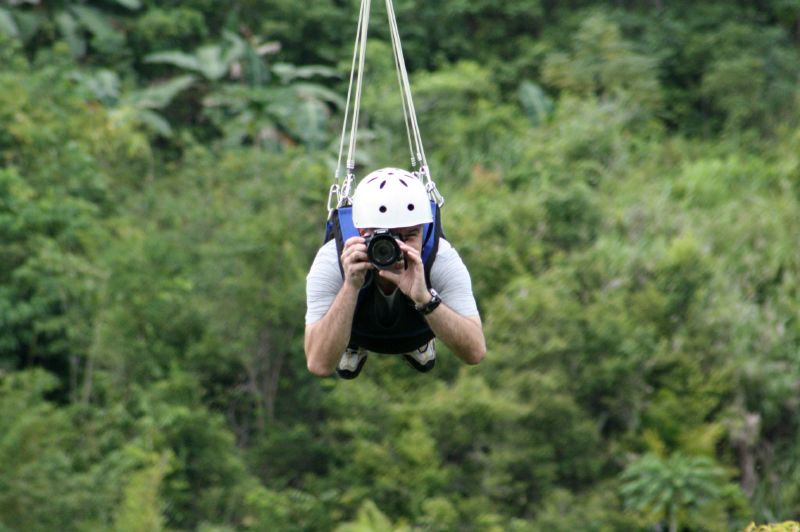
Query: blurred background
622	179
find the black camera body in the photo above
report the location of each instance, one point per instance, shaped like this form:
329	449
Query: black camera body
382	249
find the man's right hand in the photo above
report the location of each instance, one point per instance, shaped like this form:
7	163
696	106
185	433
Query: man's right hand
354	262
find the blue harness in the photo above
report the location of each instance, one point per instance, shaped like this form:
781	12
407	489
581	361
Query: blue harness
404	329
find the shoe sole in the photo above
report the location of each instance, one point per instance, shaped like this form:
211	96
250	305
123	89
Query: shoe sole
422	368
347	374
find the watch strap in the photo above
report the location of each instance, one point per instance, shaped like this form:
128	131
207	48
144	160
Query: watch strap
431	305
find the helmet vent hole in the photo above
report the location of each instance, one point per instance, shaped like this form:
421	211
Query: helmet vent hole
404	183
383	208
383	184
410	206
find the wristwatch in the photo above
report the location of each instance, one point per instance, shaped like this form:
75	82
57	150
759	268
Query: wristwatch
431	305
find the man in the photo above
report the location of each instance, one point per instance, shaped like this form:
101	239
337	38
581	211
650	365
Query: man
354	306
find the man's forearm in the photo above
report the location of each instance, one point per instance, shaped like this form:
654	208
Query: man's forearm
464	335
326	339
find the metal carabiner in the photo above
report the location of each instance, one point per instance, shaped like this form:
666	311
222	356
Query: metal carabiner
424	176
434	194
334	191
346	186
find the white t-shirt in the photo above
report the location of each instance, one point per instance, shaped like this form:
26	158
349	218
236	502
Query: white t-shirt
449	277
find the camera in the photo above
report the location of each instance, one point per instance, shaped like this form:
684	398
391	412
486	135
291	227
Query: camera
382	249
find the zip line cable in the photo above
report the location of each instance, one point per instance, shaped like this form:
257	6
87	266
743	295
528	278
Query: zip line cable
340	191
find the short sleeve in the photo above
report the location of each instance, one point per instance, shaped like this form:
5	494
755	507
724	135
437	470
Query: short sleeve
323	282
451	279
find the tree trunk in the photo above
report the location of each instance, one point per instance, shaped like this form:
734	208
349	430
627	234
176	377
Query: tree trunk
74	365
797	30
673	519
264	371
88	376
744	435
746	450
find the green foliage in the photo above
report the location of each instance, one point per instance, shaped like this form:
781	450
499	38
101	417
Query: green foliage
788	526
164	28
84	28
53	196
596	511
368	519
750	76
140	510
33	455
477	124
623	183
603	64
537	105
679	491
212	61
240	99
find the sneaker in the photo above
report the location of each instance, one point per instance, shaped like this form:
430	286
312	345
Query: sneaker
351	363
422	359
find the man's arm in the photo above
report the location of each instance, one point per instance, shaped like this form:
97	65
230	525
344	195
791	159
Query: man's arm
462	334
327	338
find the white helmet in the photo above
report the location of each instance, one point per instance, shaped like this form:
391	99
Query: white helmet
389	198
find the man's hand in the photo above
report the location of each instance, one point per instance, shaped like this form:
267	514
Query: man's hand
411	280
354	262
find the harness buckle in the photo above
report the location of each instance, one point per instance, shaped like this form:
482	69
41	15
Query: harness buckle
434	193
423	174
344	193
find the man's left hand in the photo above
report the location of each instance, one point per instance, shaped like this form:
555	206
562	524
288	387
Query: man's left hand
411	279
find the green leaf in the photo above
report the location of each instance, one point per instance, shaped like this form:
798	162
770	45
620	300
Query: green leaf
130	4
318	92
68	27
160	95
537	105
104	85
28	23
236	51
156	122
211	62
93	20
175	58
288	72
308	122
7	24
105	37
369	518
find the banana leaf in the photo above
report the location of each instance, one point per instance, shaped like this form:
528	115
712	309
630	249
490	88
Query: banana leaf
7	23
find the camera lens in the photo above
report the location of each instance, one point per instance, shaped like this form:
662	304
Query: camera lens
383	251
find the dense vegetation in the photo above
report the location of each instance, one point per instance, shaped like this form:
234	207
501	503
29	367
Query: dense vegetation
622	178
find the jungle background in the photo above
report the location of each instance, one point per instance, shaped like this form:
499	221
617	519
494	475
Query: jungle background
622	180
